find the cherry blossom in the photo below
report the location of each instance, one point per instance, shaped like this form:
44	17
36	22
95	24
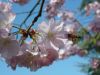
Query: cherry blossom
31	61
95	25
71	49
57	2
53	34
52	40
8	45
95	63
71	27
9	48
65	15
6	15
53	8
93	6
4	33
21	60
51	11
51	56
21	2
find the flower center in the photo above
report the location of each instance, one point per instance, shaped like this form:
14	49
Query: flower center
50	34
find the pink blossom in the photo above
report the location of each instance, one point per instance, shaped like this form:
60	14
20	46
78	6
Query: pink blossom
95	63
51	11
57	2
52	8
9	48
53	34
25	47
31	61
4	33
21	2
21	60
71	27
8	45
95	6
65	15
95	25
69	50
6	15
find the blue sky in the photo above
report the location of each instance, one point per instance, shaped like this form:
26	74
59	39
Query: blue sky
63	67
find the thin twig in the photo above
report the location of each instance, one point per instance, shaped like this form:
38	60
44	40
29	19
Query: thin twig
20	13
38	2
16	27
37	17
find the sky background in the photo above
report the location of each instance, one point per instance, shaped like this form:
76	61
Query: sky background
68	66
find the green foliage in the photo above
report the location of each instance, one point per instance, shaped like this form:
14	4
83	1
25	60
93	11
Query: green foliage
96	72
97	48
90	70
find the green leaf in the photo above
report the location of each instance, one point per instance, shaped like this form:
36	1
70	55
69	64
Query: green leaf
93	40
97	72
90	70
97	36
97	48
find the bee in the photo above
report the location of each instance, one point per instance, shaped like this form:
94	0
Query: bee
73	37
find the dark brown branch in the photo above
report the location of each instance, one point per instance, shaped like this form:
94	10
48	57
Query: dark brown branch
16	27
38	2
37	17
20	13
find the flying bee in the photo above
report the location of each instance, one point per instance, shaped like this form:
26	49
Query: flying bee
73	37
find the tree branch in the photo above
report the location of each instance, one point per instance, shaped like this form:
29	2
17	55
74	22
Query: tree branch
38	2
37	17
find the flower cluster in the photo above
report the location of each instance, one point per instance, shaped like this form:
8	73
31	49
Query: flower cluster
8	43
56	38
93	6
53	7
6	15
95	63
95	25
50	42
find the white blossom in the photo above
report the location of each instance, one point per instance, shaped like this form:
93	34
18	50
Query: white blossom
53	34
6	15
